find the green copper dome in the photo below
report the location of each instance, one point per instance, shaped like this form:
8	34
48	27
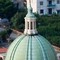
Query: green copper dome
31	47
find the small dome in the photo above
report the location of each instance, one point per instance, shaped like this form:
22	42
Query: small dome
30	14
31	47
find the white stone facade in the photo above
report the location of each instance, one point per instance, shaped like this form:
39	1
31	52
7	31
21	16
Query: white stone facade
43	7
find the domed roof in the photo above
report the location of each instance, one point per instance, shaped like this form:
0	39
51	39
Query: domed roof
31	47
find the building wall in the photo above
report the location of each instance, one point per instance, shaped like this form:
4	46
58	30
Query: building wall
46	7
20	3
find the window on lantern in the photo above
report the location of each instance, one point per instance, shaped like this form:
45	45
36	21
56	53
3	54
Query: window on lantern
28	25
34	25
31	25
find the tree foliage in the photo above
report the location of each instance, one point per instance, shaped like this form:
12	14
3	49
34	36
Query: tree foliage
18	19
49	27
3	35
7	8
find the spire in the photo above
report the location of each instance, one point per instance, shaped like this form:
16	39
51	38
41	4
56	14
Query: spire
29	7
30	21
29	10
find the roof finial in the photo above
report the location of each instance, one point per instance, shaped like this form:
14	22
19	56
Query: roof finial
29	7
30	21
30	2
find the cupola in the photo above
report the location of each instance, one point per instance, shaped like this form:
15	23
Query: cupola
30	21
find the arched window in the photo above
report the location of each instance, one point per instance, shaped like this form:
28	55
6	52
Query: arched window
28	25
31	25
34	25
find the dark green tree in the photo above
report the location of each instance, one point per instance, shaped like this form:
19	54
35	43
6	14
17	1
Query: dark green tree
7	8
3	35
49	26
18	19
